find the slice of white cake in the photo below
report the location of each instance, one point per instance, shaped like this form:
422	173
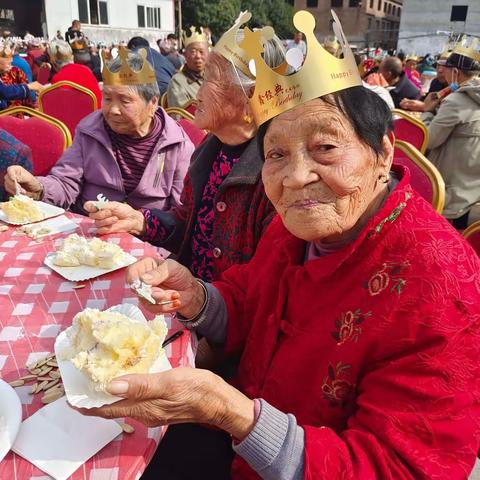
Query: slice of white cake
106	345
22	209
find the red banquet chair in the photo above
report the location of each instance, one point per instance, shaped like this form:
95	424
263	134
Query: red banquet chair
472	235
410	129
47	137
185	119
425	178
43	75
67	102
191	107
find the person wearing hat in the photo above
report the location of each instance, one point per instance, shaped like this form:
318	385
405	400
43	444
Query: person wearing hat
454	133
410	70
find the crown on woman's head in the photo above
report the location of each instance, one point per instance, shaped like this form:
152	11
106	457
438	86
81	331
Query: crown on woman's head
228	47
126	75
320	74
194	36
468	47
6	49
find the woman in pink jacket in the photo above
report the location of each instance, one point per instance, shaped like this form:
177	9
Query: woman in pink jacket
130	151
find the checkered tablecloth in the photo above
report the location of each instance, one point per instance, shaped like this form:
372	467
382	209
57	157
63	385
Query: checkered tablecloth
35	305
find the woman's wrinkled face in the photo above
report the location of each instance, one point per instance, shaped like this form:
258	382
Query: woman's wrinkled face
318	174
220	101
125	111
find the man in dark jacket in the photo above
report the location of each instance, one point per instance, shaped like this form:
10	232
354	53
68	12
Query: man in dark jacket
164	70
392	70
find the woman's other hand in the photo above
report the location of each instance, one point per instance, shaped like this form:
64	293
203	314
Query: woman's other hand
116	217
28	183
171	282
181	395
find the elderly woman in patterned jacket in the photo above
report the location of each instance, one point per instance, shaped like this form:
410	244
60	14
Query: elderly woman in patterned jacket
357	320
224	208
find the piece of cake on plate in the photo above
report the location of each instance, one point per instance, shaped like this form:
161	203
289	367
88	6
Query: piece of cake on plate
105	345
93	252
22	209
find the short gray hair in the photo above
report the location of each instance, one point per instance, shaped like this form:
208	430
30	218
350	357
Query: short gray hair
135	61
274	55
60	52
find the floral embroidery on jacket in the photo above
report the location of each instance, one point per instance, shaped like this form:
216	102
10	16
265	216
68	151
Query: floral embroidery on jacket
392	217
388	274
348	326
336	388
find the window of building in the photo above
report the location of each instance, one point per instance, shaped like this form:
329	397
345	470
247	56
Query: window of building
389	9
377	24
385	7
399	10
149	17
94	12
312	3
379	6
459	13
369	23
371	3
354	3
337	3
394	10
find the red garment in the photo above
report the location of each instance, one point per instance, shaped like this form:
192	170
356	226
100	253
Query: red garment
16	76
81	75
374	348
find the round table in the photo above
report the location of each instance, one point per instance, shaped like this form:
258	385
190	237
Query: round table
36	304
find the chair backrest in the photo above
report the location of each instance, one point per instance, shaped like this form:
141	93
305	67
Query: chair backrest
47	137
164	101
425	178
410	129
196	135
190	107
68	102
43	75
472	235
177	112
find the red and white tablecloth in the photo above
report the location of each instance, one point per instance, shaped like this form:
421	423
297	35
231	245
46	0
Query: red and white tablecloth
35	305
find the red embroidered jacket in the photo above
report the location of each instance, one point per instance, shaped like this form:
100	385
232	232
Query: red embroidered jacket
375	348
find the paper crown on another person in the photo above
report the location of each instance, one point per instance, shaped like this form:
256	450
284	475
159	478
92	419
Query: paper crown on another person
321	73
468	47
6	50
126	75
411	57
195	36
228	47
332	45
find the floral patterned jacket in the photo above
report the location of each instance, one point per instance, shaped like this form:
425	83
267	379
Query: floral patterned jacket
374	348
242	210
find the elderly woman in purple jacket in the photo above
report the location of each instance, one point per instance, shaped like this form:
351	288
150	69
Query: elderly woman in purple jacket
130	151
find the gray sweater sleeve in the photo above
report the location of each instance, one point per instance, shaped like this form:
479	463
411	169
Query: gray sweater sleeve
211	322
274	448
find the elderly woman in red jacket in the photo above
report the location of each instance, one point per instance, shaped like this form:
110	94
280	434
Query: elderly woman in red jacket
357	320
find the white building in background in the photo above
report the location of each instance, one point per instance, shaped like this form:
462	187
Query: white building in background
106	20
426	24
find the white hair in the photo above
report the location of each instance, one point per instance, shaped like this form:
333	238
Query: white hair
60	52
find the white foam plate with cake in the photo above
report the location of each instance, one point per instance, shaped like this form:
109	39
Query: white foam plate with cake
46	210
80	389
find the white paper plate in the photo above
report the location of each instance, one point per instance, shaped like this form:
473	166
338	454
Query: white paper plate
78	388
84	272
56	225
10	417
48	210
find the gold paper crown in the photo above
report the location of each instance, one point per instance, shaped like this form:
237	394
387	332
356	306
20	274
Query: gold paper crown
194	36
6	50
228	47
468	47
320	74
126	75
